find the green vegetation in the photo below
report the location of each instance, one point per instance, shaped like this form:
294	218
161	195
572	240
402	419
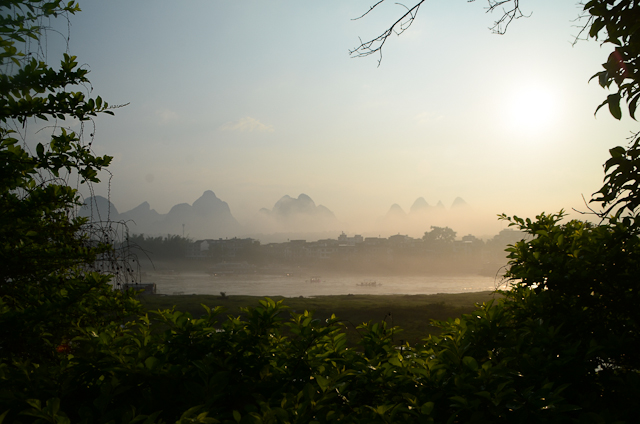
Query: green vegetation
47	287
408	312
559	347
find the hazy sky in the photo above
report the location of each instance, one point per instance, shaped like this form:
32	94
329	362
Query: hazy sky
256	99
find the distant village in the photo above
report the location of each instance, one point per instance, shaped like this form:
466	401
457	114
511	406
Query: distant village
437	251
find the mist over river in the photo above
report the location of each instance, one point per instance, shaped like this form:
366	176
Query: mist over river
308	285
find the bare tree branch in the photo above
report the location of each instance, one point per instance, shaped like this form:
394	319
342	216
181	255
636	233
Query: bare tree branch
583	28
399	26
375	45
367	12
501	25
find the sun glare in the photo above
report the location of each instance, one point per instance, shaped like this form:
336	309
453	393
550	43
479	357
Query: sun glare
531	109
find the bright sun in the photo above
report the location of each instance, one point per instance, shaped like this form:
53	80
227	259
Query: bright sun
531	109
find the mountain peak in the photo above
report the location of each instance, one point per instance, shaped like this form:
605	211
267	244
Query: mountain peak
395	210
98	208
419	205
459	203
299	213
142	207
288	205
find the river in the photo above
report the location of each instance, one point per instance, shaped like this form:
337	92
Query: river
304	285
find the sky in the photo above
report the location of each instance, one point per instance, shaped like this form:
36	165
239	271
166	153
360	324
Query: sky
256	100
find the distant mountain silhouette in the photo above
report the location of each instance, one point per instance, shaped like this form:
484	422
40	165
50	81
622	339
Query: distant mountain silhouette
459	203
420	205
142	215
396	211
288	206
98	208
208	217
301	214
422	216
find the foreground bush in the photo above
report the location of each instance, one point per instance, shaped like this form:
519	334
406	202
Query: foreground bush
503	363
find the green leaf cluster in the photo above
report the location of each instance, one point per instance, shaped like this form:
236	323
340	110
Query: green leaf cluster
585	278
620	193
616	22
47	257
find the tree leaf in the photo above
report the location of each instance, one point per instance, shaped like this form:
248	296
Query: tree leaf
614	105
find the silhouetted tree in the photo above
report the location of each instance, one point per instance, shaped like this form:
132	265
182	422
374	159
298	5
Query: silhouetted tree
439	236
47	254
169	247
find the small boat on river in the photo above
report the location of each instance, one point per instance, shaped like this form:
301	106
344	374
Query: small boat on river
369	284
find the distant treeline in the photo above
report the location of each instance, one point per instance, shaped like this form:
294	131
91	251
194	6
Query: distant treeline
160	247
437	251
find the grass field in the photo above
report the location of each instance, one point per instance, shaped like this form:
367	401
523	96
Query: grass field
412	313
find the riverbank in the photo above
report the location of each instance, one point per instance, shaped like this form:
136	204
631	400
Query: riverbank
412	313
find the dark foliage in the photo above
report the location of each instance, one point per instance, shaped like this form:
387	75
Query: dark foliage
169	247
47	287
560	347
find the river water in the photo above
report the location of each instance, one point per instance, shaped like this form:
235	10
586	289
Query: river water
295	286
